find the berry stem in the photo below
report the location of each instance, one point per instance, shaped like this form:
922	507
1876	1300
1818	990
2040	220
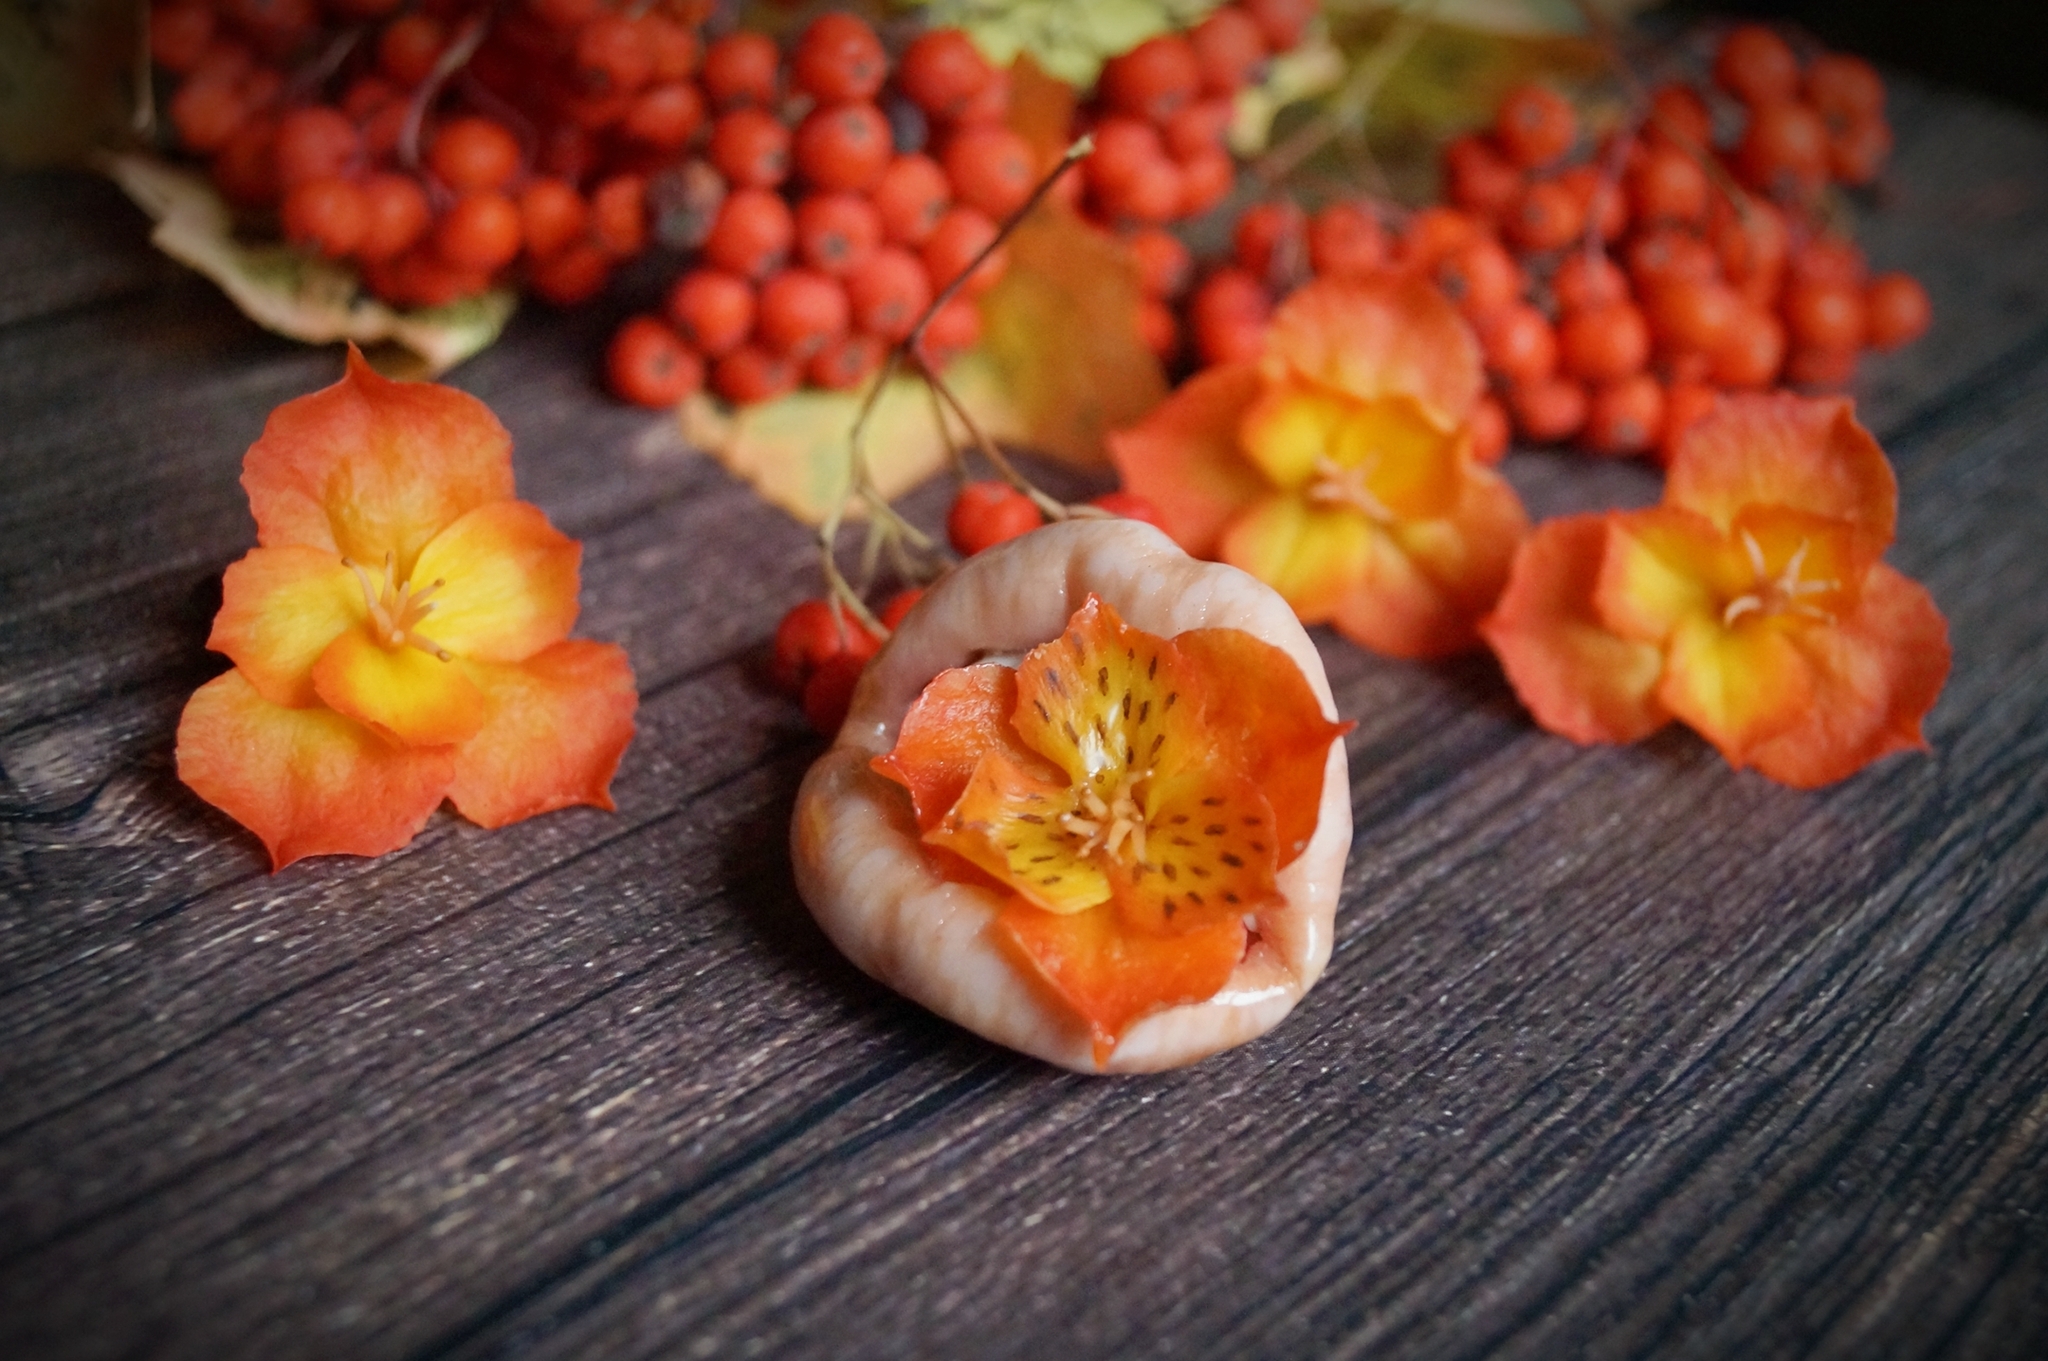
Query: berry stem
454	59
1346	114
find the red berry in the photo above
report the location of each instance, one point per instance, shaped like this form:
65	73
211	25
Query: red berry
750	146
1228	47
843	146
1282	22
991	168
1823	315
1784	151
179	32
1130	506
1585	280
1602	205
1345	241
480	232
1857	151
828	694
985	514
1206	179
618	215
847	362
1692	314
888	293
409	47
1752	352
328	214
1227	316
1478	176
942	71
1270	241
246	168
1197	127
713	309
911	195
1603	344
1624	417
610	57
1679	118
839	58
1164	264
750	374
1814	368
1153	79
1535	126
1518	343
898	606
1547	217
1479	277
962	234
1845	89
1489	430
953	330
1434	233
740	68
1756	65
570	276
395	216
1684	404
1548	410
1159	329
552	216
752	233
1155	192
1896	310
317	142
1667	185
1123	147
836	233
1668	254
674	46
473	153
812	633
648	364
800	312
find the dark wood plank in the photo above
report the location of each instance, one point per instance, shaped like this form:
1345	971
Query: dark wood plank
1621	1053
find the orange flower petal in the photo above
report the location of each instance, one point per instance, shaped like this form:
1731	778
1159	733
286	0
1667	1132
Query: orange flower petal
1876	676
1111	977
1663	567
1805	453
1468	552
1290	427
1396	609
1313	557
1007	822
306	781
1577	678
402	692
1737	687
509	583
1823	559
280	608
1210	855
1379	338
962	713
369	466
554	728
1258	701
1184	456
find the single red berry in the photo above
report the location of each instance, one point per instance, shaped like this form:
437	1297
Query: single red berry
1665	185
1433	234
409	47
910	197
1603	344
1823	315
1756	65
395	216
1270	241
750	146
812	633
1489	430
888	292
1584	279
962	234
1478	176
1479	277
898	606
674	46
1282	22
610	57
1692	314
327	214
985	514
1156	192
847	362
1603	207
1164	264
953	330
1667	254
648	364
749	373
1518	343
801	311
942	71
1130	506
570	276
1153	79
1227	316
1228	48
1896	310
1197	127
1830	259
752	233
837	233
828	694
990	167
1679	118
839	58
179	32
1206	179
473	153
317	142
714	310
1345	241
1124	145
741	68
1535	126
1548	410
1159	329
1857	151
480	232
1752	352
1547	217
246	168
552	216
1625	417
618	215
843	146
1784	151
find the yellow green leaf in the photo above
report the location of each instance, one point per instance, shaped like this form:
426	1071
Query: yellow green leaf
297	295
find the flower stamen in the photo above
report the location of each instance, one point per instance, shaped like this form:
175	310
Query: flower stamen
1334	484
396	610
1782	594
1107	825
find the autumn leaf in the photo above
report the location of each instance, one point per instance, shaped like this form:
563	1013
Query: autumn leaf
297	295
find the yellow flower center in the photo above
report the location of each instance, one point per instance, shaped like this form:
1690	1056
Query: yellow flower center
1784	593
396	609
1334	484
1111	824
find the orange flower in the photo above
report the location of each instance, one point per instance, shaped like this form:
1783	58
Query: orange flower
399	634
1339	468
1751	605
1135	794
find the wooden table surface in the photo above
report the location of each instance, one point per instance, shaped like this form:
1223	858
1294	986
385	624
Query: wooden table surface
1620	1054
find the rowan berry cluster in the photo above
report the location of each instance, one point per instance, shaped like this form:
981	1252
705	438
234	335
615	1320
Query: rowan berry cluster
444	146
852	191
1615	295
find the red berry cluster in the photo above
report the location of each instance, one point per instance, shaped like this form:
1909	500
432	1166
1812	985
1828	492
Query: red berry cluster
820	650
848	195
443	145
1614	296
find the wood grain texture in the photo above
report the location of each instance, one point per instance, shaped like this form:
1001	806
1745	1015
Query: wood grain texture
1620	1054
